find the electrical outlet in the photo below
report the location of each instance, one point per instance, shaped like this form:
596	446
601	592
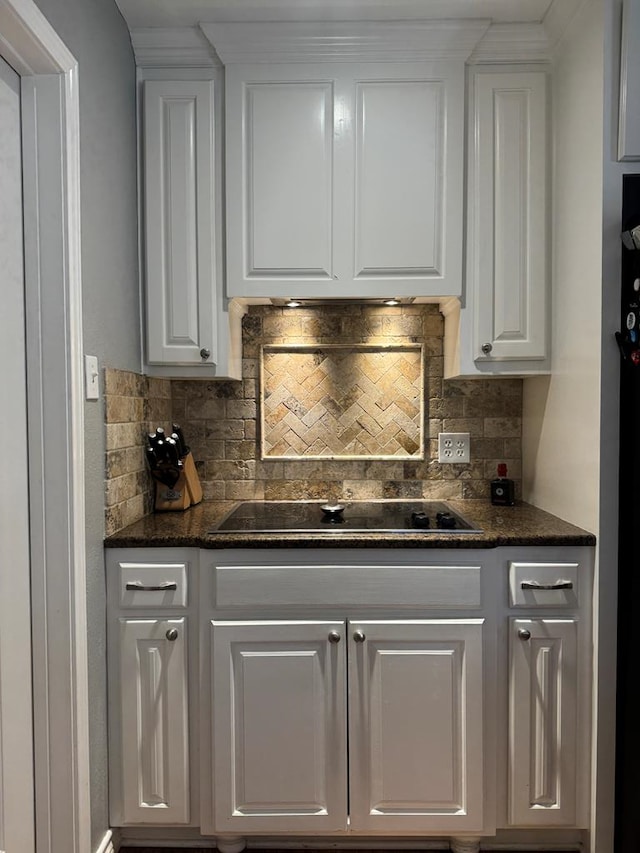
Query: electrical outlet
454	447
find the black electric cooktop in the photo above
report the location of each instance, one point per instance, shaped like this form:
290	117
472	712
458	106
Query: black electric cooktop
350	517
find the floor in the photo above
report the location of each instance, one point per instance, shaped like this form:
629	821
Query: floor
213	850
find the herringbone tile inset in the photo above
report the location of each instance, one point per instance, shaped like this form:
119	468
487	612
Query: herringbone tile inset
342	402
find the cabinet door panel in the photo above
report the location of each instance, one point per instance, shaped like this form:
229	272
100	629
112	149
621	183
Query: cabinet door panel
416	726
507	189
154	717
543	723
279	728
280	186
400	155
179	221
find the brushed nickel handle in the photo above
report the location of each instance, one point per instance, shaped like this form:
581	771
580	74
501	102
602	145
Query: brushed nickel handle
486	348
559	584
359	636
524	634
161	587
172	634
205	353
334	637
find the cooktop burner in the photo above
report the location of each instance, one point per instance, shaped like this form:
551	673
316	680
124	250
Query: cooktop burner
349	517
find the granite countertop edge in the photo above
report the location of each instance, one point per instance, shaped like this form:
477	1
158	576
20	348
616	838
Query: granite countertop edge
521	525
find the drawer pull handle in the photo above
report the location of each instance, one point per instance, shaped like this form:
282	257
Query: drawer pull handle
161	587
557	585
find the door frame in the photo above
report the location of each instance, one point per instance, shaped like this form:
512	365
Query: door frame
53	290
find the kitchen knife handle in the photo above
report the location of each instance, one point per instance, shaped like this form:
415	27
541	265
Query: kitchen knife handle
181	440
560	584
161	587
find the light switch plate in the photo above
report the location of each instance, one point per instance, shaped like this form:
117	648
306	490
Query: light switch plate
91	377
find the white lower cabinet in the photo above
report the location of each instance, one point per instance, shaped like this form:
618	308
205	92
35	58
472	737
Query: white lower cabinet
414	712
279	726
416	725
152	667
368	693
549	681
543	710
152	672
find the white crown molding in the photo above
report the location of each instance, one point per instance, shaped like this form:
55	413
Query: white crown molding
395	41
513	43
172	47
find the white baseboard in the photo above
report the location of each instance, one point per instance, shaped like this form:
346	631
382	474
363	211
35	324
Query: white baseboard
106	845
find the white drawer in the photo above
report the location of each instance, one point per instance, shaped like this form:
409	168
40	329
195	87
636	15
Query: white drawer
154	585
348	585
543	584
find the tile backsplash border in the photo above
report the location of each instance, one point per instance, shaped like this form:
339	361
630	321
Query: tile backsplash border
340	419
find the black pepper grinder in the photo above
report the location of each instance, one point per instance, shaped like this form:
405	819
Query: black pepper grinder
502	489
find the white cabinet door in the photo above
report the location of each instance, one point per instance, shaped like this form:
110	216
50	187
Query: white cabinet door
543	723
154	734
279	726
629	107
503	327
415	729
179	213
344	180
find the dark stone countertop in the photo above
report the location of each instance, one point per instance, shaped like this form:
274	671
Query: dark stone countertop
522	524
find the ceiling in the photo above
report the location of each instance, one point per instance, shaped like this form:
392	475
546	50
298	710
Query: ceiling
187	13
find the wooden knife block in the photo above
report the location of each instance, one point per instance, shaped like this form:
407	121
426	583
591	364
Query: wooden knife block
186	492
172	498
193	480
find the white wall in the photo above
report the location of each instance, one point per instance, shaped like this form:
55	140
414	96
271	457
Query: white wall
571	421
561	425
562	429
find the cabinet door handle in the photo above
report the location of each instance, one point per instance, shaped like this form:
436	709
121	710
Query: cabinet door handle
524	634
486	348
205	353
334	637
172	634
359	636
559	584
161	587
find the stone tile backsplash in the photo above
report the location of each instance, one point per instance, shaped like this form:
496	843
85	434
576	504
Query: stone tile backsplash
221	420
134	405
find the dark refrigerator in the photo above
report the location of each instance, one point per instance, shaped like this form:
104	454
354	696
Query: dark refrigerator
627	826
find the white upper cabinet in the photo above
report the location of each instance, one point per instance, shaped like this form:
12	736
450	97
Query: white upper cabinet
190	332
345	157
179	221
344	179
503	328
